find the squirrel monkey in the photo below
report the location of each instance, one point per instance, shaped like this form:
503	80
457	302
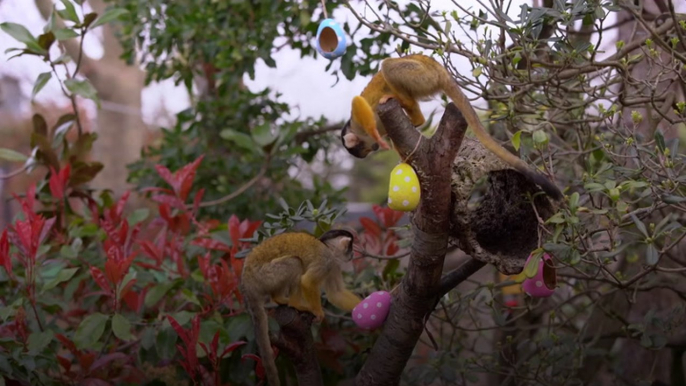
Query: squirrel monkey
409	79
290	268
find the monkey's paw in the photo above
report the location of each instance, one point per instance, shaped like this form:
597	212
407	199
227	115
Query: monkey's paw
318	316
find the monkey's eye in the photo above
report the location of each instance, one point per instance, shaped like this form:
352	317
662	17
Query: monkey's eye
375	147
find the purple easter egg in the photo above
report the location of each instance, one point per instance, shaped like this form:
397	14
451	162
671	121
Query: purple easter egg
542	285
371	313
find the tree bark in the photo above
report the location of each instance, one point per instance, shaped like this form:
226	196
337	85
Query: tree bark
431	223
295	340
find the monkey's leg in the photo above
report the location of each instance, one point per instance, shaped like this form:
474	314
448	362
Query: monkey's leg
296	300
309	285
281	275
410	106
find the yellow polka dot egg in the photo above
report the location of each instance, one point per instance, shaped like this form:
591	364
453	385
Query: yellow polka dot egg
403	191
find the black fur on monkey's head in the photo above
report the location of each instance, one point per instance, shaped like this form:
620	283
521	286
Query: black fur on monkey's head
339	239
356	146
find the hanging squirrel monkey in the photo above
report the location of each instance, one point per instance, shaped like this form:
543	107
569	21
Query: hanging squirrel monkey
410	79
290	268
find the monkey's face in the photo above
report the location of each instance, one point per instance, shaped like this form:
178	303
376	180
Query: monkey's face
340	241
358	145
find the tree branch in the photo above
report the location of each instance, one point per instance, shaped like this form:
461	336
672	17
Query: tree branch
432	160
241	189
295	340
459	274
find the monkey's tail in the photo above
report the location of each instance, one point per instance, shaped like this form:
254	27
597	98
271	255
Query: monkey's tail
458	97
261	322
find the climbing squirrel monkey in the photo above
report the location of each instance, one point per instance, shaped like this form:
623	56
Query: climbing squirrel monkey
291	268
409	79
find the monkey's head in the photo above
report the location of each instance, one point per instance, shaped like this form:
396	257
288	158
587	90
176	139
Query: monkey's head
340	242
358	145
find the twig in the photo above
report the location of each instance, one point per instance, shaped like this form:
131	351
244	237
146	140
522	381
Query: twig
239	191
14	173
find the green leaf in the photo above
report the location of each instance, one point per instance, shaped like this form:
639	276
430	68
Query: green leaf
517	140
121	327
262	135
138	215
241	139
45	40
90	330
38	341
660	140
62	276
574	202
41	81
19	33
82	88
540	138
108	16
531	267
671	199
157	292
65	33
88	19
12	156
639	225
69	12
477	71
652	254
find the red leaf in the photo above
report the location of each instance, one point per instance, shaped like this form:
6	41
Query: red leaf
86	360
232	347
172	201
215	342
259	369
234	230
211	244
67	343
99	278
370	226
185	176
5	259
166	175
107	358
64	362
58	181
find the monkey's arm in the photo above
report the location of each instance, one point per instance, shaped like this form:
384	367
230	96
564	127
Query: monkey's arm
310	287
363	114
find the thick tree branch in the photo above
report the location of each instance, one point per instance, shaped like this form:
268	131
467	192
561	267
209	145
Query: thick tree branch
453	278
295	340
432	160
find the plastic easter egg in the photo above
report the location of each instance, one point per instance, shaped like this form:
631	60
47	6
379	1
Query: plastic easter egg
371	313
542	285
330	41
403	190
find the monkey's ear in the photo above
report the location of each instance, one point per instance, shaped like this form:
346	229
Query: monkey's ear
350	140
345	243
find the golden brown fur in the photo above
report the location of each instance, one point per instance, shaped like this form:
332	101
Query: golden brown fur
290	268
410	79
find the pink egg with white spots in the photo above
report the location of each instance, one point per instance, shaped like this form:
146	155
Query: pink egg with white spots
371	313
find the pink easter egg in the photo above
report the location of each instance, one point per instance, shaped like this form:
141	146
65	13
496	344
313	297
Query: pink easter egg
542	285
372	311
